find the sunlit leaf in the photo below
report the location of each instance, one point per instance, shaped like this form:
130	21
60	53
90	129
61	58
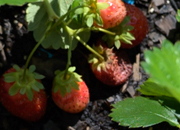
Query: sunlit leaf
102	5
16	2
142	112
163	67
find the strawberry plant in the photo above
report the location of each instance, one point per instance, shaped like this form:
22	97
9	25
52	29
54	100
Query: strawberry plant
63	25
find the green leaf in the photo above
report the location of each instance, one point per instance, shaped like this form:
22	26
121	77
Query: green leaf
90	21
36	88
150	88
16	67
34	14
66	85
79	11
29	93
163	67
23	90
142	112
170	103
14	89
39	85
16	2
32	68
178	15
64	6
102	5
38	76
9	78
117	44
72	69
40	30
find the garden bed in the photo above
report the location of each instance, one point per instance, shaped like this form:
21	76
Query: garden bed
16	43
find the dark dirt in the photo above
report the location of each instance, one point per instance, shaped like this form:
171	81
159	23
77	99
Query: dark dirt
16	43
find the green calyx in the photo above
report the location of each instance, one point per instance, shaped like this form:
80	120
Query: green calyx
24	84
122	34
98	63
90	12
65	85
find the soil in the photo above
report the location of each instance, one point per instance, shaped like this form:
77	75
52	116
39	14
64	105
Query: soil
16	43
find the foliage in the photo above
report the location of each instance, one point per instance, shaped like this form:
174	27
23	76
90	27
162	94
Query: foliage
178	15
16	2
162	65
142	112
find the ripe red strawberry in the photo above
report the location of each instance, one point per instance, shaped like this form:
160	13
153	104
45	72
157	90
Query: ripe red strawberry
114	69
140	24
19	104
114	14
72	94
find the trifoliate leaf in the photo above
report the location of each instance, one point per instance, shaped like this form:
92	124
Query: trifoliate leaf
142	112
163	67
16	2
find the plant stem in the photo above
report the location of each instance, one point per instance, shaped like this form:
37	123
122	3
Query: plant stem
34	49
103	30
50	11
61	19
73	33
69	57
95	29
89	48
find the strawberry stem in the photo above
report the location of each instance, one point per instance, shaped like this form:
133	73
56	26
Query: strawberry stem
70	31
33	50
61	19
73	33
50	11
103	30
90	48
